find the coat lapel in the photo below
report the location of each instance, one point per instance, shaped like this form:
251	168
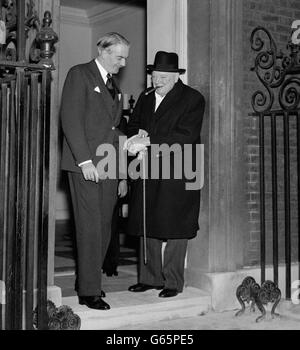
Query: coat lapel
149	111
104	94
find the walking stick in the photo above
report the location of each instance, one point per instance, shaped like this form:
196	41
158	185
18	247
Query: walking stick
144	208
141	156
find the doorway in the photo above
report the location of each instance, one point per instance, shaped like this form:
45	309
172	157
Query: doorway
81	24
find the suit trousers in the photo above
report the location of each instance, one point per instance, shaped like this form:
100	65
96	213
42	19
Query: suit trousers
163	270
111	260
93	205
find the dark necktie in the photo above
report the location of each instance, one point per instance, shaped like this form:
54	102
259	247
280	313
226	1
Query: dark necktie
110	85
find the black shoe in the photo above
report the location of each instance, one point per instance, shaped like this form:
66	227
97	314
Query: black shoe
168	293
141	287
94	302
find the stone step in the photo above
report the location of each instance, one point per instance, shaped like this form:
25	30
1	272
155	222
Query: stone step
129	308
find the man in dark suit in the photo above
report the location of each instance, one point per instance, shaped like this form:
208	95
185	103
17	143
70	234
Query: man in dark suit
170	115
111	260
91	109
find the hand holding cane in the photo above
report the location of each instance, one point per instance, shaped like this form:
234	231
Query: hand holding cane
137	144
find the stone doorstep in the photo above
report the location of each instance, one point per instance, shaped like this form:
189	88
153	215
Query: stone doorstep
289	310
128	308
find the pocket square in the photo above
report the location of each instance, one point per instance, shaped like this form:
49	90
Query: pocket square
119	96
97	89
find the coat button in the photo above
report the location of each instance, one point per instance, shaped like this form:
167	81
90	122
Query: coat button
113	128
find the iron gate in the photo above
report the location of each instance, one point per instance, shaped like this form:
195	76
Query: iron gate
277	109
25	91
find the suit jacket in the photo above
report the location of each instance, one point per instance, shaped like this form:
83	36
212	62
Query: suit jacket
172	211
89	118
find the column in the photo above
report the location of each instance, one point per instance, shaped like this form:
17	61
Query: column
215	63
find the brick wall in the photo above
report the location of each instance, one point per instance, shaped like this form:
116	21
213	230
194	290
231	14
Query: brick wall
276	16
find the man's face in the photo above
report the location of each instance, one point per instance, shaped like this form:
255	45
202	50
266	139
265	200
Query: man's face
114	57
164	81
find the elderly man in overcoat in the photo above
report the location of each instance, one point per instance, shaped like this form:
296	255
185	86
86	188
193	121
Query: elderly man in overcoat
170	113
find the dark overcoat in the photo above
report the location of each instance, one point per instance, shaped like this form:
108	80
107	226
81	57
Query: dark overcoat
172	211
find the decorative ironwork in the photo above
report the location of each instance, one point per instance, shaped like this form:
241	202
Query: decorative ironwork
250	291
42	48
25	94
247	292
277	107
32	19
275	70
61	318
269	293
9	17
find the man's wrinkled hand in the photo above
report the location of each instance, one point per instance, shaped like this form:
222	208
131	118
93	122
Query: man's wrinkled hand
145	141
122	188
90	172
142	133
138	144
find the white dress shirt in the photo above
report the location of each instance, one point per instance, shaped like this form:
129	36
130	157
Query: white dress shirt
102	70
158	100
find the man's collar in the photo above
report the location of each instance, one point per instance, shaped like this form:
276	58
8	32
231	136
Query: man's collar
102	70
158	96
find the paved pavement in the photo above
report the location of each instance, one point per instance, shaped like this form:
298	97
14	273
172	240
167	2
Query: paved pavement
288	320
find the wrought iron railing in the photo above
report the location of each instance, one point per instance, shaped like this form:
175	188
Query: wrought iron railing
25	93
278	104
